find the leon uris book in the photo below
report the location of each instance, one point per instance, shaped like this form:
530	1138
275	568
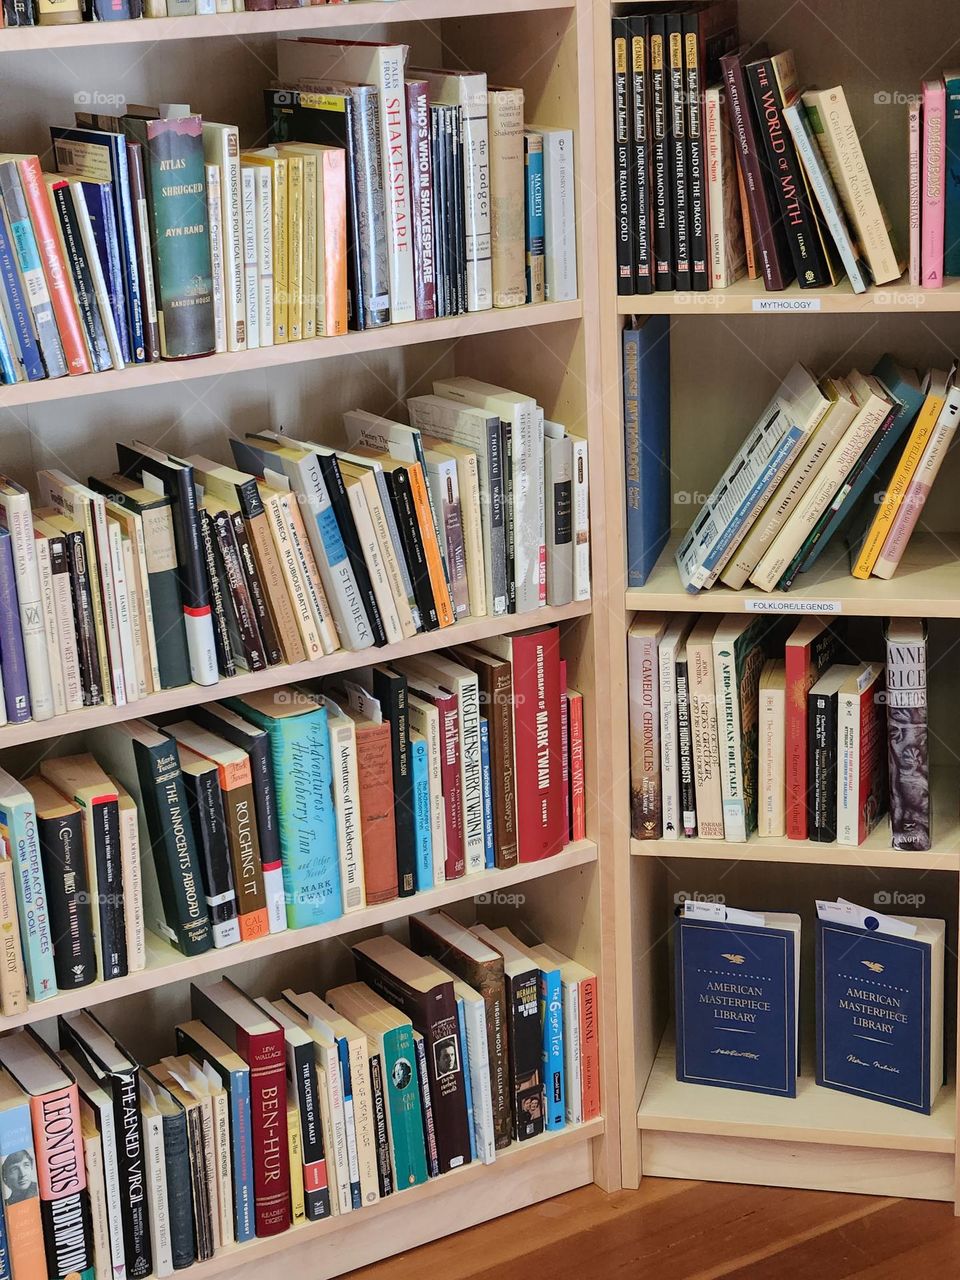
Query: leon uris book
646	429
736	1003
907	750
880	1004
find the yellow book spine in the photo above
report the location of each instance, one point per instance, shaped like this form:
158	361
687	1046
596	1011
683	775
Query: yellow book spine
298	1213
888	508
294	248
311	185
280	279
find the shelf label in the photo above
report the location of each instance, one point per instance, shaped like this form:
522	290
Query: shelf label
767	605
786	304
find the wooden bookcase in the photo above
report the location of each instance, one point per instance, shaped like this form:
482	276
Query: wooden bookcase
726	358
220	64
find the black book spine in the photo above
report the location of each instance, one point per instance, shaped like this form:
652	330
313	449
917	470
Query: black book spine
401	498
258	600
105	818
391	691
696	155
80	590
131	1161
524	1039
218	606
68	898
302	1077
822	768
257	748
243	609
458	222
509	530
799	220
439	206
330	469
381	1135
210	833
688	795
80	278
640	155
623	192
356	305
677	153
426	1109
18	13
176	1158
202	1208
661	194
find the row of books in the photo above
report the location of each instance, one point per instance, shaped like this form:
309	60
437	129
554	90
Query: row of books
178	569
738	974
853	457
383	198
286	809
725	168
273	1113
933	130
730	739
59	13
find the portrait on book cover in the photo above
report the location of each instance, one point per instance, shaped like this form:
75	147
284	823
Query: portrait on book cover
19	1176
445	1057
402	1073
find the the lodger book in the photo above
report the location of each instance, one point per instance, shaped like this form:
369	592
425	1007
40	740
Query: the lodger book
737	987
880	1005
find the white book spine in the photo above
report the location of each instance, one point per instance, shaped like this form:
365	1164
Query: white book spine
728	736
67	634
559	180
363	1120
476	186
134	923
146	610
111	1180
771	817
96	273
468	475
50	626
251	280
391	61
215	232
471	776
391	551
157	1204
221	144
124	630
108	592
16	516
136	617
558	479
848	768
338	1125
346	790
713	132
370	547
93	1162
581	521
573	1078
669	766
478	1062
264	230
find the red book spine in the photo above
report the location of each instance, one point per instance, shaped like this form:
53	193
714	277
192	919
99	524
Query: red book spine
538	744
578	801
454	866
797	674
589	1049
54	266
265	1055
421	198
565	747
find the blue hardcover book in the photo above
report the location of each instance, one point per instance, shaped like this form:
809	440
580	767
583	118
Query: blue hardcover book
18	826
467	1084
951	239
880	1012
89	154
296	726
98	197
646	438
908	399
12	284
489	856
551	1019
420	792
736	1000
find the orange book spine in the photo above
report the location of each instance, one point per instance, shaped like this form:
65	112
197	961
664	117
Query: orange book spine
21	1201
589	1049
236	787
54	266
334	182
431	548
375	778
62	1179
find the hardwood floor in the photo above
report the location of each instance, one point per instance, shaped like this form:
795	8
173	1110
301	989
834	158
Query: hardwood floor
695	1231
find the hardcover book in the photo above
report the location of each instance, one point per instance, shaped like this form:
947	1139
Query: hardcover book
646	809
646	435
809	650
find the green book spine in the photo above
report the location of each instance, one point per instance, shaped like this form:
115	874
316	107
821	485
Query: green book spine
403	1106
178	204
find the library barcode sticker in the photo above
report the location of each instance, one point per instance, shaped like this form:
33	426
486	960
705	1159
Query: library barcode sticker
787	304
767	605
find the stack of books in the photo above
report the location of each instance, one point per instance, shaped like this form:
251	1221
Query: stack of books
285	809
175	569
726	168
385	196
274	1113
741	726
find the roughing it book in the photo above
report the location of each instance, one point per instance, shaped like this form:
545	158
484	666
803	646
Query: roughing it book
737	994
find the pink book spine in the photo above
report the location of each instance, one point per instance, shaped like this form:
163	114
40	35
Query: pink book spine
934	175
914	191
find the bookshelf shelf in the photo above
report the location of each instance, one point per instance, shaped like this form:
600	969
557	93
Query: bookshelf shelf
816	1115
927	582
392	337
802	851
190	695
748	297
165	965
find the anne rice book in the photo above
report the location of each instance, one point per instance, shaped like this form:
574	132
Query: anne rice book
908	753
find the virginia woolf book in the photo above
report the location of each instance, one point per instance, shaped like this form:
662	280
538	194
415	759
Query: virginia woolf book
737	983
880	1005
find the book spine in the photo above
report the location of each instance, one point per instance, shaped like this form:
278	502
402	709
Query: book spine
732	781
13	986
231	205
264	1054
417	99
951	263
706	744
259	598
346	796
914	189
669	744
16	292
264	234
19	826
15	516
848	769
98	198
907	751
125	1088
639	166
822	767
381	1131
226	664
97	1192
677	159
160	553
294	248
371	224
251	277
771	791
661	186
210	825
50	624
177	1166
646	821
134	925
934	180
452	795
420	800
525	1040
573	1085
65	876
141	237
688	800
94	693
401	497
578	801
241	600
215	232
624	196
16	690
30	269
311	244
64	1203
77	277
103	827
696	155
535	273
590	1047
426	1108
551	1020
499	709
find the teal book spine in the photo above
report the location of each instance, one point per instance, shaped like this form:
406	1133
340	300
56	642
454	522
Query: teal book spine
18	826
403	1107
423	841
551	1019
951	241
302	774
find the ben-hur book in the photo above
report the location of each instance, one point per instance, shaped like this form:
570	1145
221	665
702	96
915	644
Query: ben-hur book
907	754
880	1005
737	986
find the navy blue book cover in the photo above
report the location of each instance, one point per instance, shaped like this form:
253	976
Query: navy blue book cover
736	1006
646	424
873	1015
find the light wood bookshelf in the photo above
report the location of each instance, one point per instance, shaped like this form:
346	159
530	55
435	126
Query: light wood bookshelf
220	64
729	348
